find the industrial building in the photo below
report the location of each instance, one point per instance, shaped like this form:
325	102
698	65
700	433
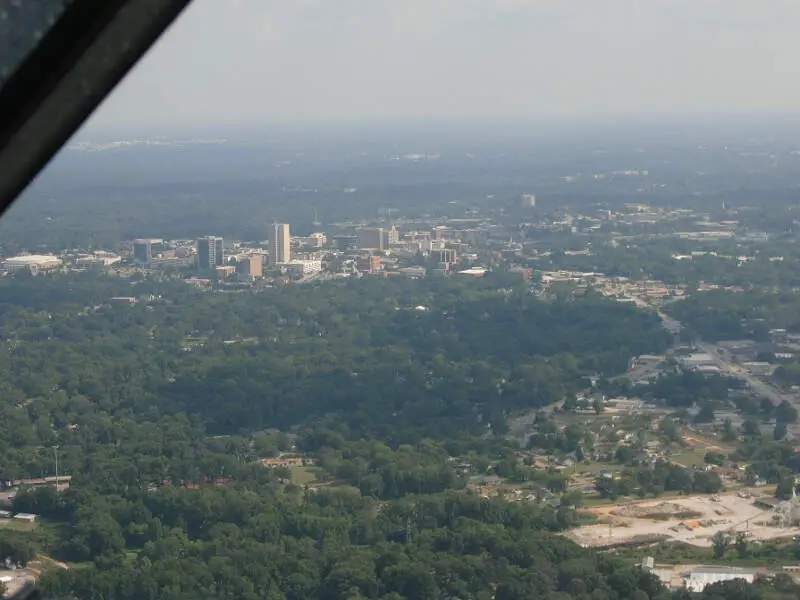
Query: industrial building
693	361
701	577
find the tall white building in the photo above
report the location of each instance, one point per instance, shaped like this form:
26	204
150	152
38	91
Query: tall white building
280	240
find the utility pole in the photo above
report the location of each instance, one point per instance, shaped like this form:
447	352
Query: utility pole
55	451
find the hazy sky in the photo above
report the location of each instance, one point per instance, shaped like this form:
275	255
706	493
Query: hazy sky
254	61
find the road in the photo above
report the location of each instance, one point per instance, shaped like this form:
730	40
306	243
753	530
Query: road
758	386
520	427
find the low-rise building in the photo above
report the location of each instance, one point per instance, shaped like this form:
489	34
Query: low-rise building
287	461
414	272
767	502
304	267
759	368
97	259
368	264
26	517
474	272
692	361
251	266
224	271
701	577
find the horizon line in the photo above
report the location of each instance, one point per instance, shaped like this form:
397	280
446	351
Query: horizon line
544	120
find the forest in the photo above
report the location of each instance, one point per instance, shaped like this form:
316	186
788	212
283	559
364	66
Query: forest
397	361
724	315
160	412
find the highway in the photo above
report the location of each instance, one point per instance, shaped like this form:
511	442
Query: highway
761	388
520	427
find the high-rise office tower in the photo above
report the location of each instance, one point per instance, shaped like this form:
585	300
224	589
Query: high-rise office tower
280	250
373	238
142	251
209	252
393	235
345	242
445	255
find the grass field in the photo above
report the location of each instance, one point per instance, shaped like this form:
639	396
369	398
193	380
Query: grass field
592	467
775	553
16	525
690	457
595	500
303	475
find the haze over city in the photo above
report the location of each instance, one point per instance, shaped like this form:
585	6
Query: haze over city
259	61
415	300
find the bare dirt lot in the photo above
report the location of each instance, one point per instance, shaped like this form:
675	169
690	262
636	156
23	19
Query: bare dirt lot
16	580
658	512
690	519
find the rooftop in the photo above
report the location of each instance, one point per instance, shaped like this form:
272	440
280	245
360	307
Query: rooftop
727	570
32	259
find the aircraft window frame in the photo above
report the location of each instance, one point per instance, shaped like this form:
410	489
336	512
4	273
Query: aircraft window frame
74	65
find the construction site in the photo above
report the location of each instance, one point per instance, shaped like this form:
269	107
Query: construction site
690	519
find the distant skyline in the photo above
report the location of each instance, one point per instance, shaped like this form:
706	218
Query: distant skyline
261	61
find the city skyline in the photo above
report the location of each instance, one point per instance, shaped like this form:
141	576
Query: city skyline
458	333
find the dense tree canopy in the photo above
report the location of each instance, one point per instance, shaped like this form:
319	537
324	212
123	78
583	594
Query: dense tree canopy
151	380
725	315
159	409
331	544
